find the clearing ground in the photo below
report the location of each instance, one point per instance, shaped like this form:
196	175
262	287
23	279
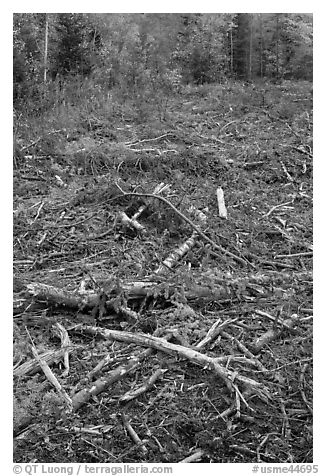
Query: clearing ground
127	337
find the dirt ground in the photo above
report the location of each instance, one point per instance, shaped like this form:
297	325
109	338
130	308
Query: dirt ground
90	284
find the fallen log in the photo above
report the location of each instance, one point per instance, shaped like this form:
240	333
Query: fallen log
211	288
136	290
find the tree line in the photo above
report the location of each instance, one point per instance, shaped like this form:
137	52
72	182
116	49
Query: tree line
139	52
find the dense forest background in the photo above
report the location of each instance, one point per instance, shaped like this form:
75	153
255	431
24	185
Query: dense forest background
66	57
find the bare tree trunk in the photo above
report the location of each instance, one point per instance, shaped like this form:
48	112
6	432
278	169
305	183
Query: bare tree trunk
46	48
250	49
231	51
277	46
261	48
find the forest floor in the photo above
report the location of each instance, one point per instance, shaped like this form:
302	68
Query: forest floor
139	376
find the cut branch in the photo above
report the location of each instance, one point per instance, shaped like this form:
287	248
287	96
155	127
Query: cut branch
145	340
183	249
143	388
221	204
273	334
103	383
50	357
52	379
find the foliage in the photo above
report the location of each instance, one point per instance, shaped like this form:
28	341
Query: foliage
73	46
27	54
